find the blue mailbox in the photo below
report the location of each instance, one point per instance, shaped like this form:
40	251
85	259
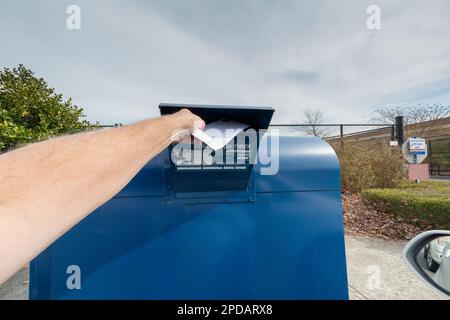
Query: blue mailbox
194	233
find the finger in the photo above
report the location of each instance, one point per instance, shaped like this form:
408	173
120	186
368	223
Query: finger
199	125
197	141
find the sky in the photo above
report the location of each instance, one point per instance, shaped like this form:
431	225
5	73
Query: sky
292	55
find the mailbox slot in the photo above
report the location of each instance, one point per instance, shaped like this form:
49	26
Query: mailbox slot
226	169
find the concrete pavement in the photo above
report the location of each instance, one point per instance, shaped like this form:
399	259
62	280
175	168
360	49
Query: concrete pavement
16	288
375	271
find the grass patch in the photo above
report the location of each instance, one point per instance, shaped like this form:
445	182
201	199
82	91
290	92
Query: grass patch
426	203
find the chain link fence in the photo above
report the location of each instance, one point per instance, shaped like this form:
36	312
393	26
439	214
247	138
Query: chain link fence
329	132
439	157
339	132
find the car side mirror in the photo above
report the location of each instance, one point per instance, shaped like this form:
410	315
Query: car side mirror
428	255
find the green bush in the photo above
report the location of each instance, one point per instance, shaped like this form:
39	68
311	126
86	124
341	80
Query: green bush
31	111
369	165
427	203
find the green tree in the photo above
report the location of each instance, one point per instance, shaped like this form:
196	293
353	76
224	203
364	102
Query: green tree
31	111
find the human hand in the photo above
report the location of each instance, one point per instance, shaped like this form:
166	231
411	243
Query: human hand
186	123
190	121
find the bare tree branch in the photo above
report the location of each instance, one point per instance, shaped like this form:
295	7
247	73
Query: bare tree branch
413	115
388	115
313	118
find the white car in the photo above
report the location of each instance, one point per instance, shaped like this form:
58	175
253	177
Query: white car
433	252
430	250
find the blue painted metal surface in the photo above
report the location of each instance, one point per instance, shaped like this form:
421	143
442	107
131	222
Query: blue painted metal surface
281	239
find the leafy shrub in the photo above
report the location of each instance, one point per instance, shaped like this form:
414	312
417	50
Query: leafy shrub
369	165
427	203
31	111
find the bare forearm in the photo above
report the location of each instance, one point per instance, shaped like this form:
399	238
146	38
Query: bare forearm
48	187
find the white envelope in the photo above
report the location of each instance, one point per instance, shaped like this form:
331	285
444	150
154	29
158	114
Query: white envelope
217	134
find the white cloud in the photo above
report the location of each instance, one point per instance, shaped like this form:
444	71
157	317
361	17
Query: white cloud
292	55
